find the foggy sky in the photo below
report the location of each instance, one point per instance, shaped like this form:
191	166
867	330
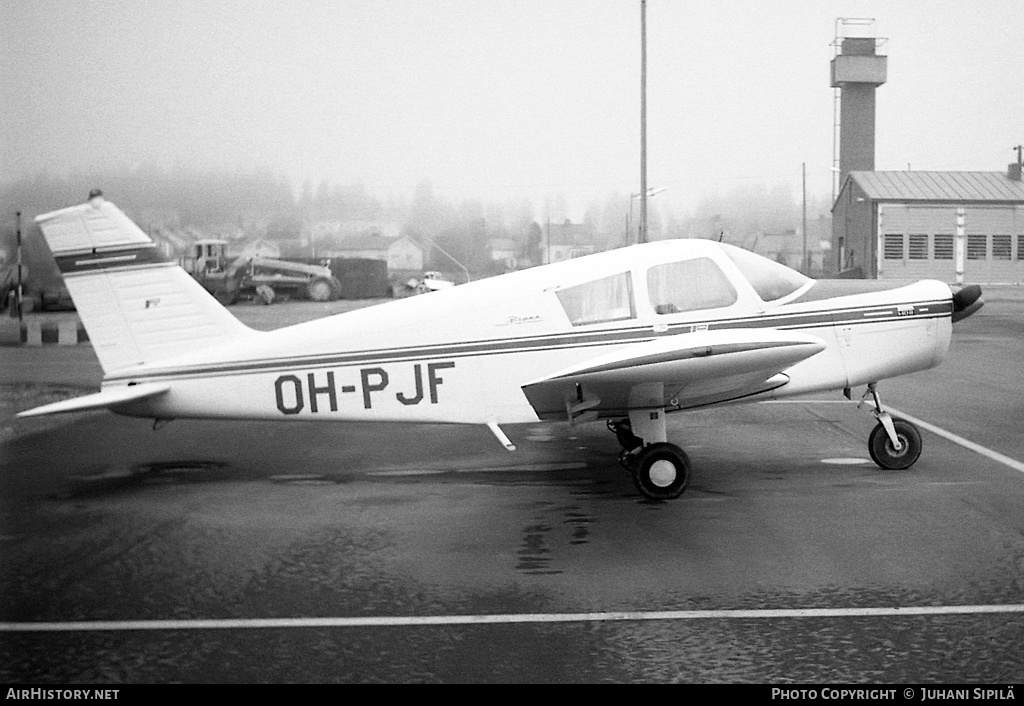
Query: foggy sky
498	99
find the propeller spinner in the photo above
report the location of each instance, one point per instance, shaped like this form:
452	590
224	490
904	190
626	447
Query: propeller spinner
966	301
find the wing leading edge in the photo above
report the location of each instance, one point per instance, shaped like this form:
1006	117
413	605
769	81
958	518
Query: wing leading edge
690	369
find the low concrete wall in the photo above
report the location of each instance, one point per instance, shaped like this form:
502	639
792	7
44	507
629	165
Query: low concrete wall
43	330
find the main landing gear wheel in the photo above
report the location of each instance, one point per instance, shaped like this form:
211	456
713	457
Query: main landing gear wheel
661	471
885	454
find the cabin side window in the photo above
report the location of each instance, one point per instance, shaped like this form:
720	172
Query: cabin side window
607	299
689	285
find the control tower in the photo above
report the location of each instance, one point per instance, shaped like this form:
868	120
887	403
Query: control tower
857	70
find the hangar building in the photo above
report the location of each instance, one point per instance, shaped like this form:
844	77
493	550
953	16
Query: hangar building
911	225
904	225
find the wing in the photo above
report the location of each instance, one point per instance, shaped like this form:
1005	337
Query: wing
681	371
100	400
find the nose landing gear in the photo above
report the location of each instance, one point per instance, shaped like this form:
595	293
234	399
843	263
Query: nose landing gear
894	444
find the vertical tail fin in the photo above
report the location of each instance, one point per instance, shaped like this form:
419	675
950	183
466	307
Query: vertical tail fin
137	307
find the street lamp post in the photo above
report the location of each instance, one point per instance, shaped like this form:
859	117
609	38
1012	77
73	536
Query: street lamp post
641	237
642	234
21	288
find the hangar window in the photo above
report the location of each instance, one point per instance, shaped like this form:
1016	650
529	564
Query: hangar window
689	285
977	247
944	247
1020	248
917	247
607	299
1001	247
893	246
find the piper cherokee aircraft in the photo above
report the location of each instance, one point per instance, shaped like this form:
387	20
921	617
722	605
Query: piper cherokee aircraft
626	336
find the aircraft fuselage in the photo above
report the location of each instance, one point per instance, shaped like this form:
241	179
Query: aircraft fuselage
464	355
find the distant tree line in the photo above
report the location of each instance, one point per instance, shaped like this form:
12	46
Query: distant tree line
264	204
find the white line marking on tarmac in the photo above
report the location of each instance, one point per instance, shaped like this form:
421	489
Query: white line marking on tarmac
505	619
524	468
527	468
809	402
966	443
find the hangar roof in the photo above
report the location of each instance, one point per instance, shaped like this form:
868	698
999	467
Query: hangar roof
939	186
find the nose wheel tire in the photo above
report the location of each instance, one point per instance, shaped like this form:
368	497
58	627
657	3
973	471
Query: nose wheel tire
661	471
885	454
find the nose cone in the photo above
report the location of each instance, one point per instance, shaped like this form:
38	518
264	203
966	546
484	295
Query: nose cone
967	301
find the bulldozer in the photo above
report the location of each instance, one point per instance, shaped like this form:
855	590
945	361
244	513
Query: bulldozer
263	278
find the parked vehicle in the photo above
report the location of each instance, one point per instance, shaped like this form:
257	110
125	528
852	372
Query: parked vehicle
260	277
431	282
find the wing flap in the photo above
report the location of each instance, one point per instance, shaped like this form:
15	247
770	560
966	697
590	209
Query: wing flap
695	368
100	400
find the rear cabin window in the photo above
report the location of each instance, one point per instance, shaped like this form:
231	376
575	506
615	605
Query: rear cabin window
689	285
771	280
608	299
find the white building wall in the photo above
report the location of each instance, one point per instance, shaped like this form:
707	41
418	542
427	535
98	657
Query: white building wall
918	241
405	255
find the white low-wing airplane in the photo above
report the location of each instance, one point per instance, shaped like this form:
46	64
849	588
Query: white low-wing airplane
626	335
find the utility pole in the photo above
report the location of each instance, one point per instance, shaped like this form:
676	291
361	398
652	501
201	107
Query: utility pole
805	262
547	240
642	236
21	291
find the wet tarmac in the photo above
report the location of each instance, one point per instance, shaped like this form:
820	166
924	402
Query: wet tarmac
414	553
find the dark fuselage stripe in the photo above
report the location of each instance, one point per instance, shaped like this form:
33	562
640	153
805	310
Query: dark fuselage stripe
816	319
99	260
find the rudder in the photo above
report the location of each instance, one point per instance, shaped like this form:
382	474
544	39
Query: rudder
137	307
